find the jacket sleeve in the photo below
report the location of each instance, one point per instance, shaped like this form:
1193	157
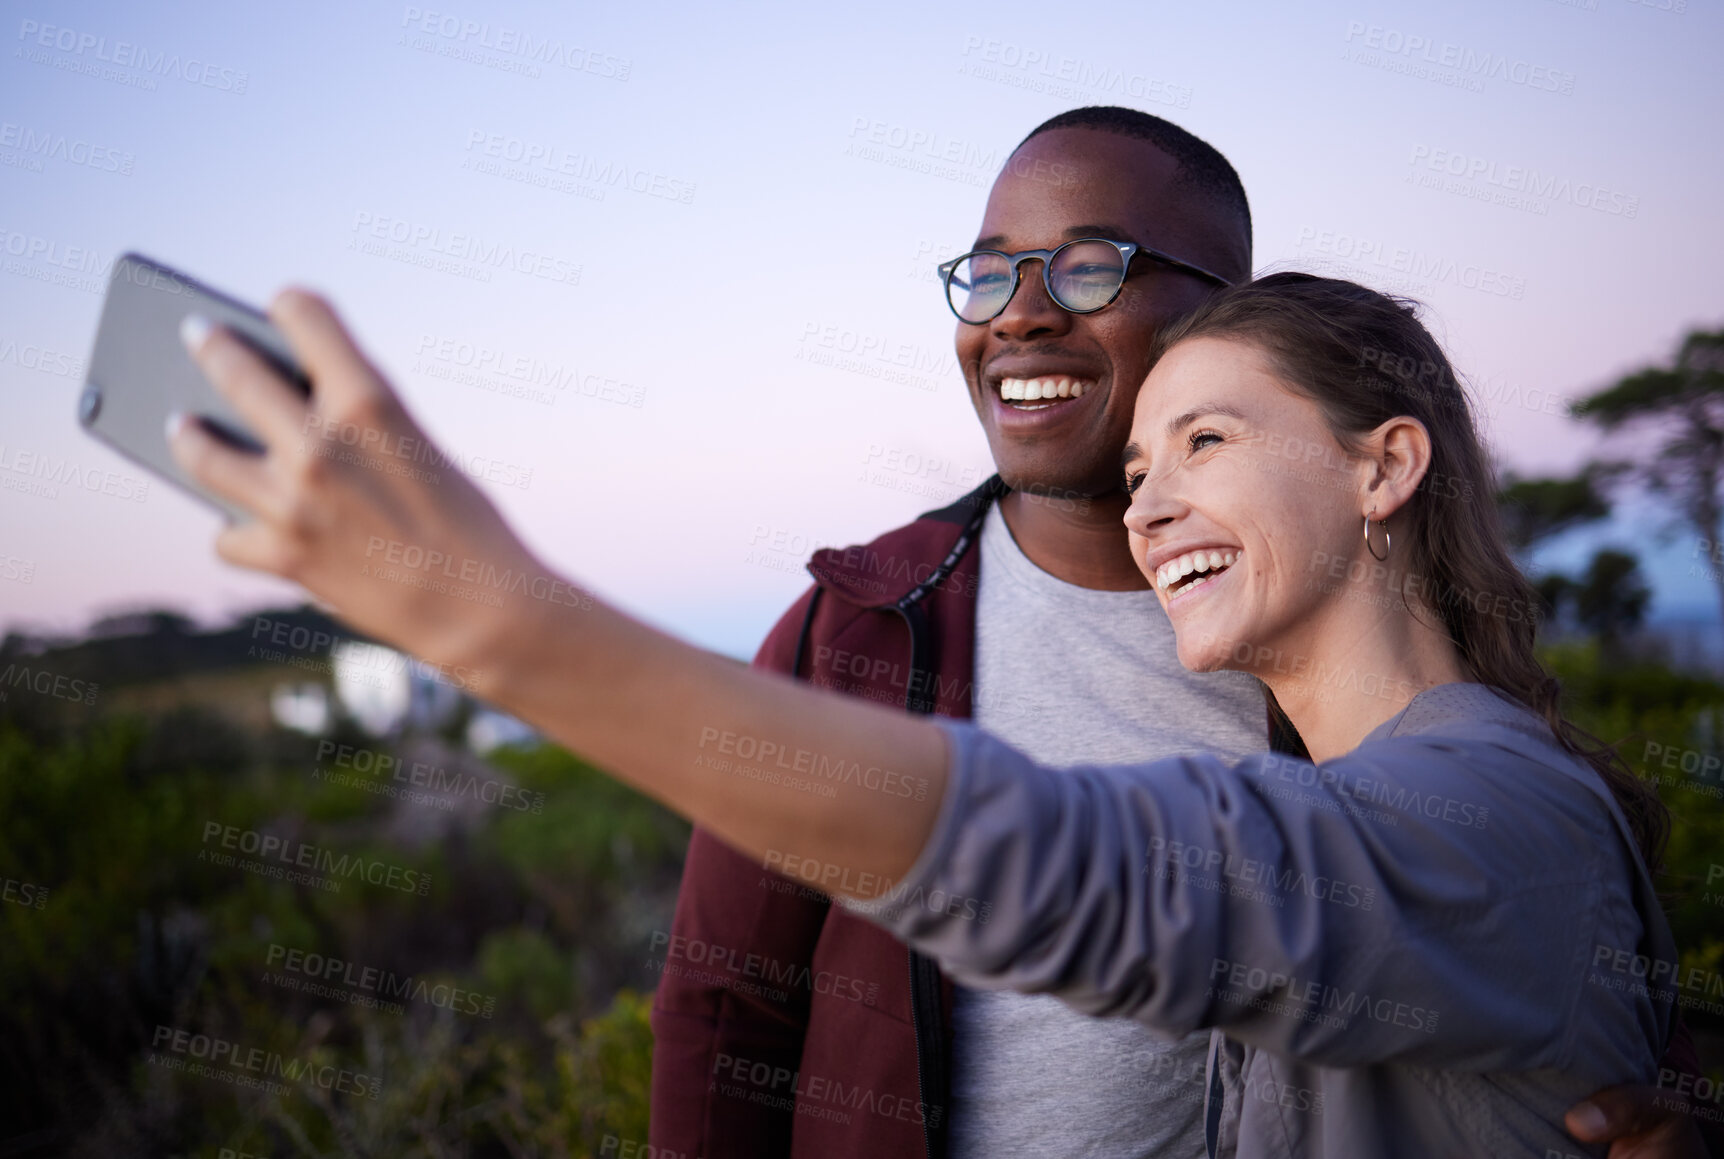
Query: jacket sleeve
1338	913
1682	1059
707	1016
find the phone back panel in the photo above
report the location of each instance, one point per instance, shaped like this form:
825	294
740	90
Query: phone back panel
140	373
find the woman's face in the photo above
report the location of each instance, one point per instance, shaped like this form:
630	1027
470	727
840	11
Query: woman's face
1227	467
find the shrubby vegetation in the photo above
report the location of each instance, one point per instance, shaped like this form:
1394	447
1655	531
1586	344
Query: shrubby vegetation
546	915
1670	726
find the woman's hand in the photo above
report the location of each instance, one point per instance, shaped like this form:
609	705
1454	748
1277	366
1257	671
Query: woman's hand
1639	1122
352	502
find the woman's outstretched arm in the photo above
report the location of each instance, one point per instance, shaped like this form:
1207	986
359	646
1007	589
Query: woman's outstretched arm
1450	899
350	503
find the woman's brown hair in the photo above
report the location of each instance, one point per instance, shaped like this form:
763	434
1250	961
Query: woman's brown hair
1364	358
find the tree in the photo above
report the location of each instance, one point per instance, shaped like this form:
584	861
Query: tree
1535	509
1682	408
1556	593
1611	598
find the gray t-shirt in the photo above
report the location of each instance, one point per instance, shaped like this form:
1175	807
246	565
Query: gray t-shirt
1074	676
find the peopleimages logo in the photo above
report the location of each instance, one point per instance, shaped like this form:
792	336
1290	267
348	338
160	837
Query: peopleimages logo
323	972
1475	173
236	1057
350	765
124	54
37	145
52	471
481	574
1311	1000
1458	59
1055	74
269	848
25	893
725	964
1374	257
472	255
1168	857
554	160
799	1092
516	42
45	683
51	252
475	364
770	753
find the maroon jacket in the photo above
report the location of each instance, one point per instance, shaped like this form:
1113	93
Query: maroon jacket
807	1006
782	1025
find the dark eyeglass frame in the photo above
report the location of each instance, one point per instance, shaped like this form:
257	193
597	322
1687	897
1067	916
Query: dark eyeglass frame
1127	251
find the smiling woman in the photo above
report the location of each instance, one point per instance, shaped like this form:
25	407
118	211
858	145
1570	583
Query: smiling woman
1329	387
1431	940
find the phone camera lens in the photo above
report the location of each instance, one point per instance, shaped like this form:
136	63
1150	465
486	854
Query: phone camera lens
90	404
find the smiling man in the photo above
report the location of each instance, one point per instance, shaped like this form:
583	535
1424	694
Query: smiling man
785	1026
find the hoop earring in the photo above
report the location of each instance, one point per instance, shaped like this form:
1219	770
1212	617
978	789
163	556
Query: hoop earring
1388	540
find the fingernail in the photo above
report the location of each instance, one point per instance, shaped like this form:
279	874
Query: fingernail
1589	1118
176	422
194	328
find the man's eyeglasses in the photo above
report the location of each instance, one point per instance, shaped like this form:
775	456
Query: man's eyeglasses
1081	276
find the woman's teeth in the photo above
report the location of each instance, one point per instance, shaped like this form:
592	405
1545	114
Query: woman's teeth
1036	389
1201	565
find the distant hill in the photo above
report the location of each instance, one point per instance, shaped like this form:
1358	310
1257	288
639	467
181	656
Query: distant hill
155	661
144	647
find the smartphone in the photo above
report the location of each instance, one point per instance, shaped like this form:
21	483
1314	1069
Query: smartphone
140	372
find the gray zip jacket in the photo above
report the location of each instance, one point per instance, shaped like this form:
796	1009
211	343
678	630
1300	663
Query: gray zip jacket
1431	946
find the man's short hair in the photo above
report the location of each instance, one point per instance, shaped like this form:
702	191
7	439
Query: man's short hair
1200	165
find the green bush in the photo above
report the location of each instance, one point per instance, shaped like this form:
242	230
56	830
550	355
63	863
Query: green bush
537	914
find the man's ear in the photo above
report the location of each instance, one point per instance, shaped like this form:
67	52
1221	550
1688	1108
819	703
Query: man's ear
1397	458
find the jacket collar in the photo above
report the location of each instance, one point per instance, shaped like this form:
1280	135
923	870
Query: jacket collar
901	567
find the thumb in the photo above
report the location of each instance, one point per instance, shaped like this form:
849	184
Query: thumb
1624	1110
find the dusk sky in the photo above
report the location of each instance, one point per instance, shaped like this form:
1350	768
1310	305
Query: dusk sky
734	342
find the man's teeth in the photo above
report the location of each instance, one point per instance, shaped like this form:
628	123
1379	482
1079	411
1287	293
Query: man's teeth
1032	389
1204	563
